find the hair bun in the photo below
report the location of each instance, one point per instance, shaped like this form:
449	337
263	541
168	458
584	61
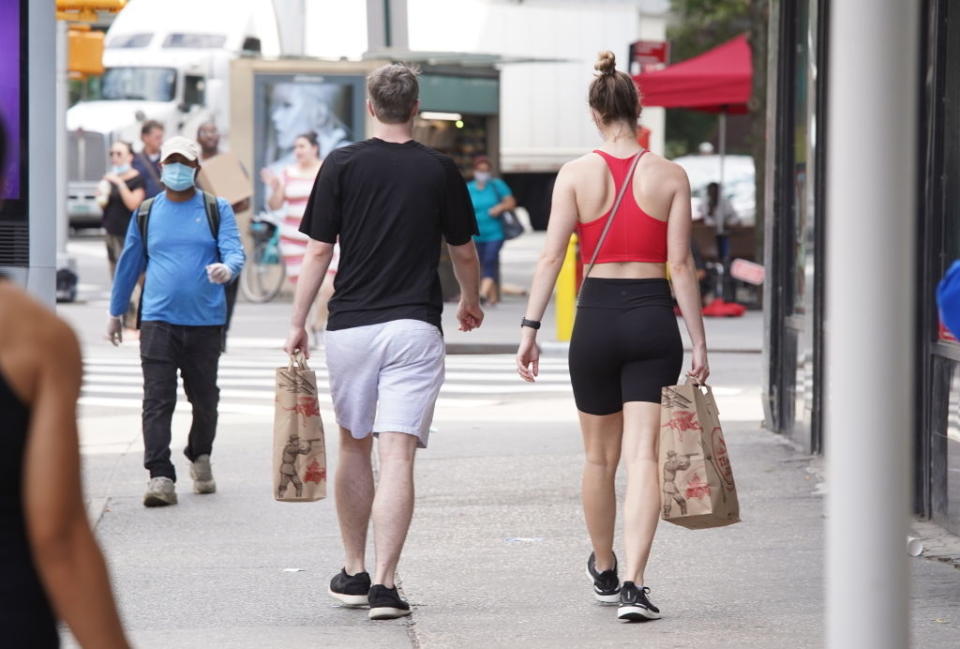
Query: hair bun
606	63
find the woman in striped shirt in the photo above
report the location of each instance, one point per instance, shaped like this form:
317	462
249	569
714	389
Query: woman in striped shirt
290	191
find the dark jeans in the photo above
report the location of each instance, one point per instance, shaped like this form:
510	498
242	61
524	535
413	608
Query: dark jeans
231	292
195	351
489	254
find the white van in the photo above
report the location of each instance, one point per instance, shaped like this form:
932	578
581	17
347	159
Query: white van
166	60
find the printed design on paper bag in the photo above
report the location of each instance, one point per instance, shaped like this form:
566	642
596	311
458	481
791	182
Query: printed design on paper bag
697	487
291	382
671	494
721	460
306	406
683	420
670	398
315	473
288	465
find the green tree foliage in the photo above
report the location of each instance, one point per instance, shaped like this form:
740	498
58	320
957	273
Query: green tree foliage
700	25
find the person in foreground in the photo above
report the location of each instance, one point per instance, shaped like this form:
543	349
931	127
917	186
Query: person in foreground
388	199
189	248
51	564
626	344
48	554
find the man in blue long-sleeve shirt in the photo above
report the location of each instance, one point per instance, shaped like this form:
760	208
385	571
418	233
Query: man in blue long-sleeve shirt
189	255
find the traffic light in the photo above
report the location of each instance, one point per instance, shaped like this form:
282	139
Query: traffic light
86	10
85	50
90	5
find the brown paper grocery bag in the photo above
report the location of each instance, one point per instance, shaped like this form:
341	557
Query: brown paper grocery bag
299	457
696	476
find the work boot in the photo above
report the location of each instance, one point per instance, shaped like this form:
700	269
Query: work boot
160	493
202	474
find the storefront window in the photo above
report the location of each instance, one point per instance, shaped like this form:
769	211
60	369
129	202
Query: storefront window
952	455
801	69
950	237
939	439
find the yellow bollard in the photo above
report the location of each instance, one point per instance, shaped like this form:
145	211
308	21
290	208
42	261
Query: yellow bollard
565	303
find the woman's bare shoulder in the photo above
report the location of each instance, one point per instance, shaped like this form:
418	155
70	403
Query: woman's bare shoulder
663	169
587	164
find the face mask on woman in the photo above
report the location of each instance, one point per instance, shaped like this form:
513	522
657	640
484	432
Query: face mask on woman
481	176
120	169
177	176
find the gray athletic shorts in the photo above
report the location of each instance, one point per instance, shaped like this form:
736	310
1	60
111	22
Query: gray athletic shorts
385	378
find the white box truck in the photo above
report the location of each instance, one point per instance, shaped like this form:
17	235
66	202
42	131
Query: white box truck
165	60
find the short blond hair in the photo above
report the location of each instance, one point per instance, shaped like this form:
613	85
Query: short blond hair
394	90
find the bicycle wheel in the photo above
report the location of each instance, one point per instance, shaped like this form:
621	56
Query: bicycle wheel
262	277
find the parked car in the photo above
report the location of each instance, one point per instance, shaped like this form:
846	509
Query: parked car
739	184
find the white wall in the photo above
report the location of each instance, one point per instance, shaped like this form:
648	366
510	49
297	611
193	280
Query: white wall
335	28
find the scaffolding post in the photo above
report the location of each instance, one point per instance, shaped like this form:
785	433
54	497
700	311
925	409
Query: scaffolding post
870	342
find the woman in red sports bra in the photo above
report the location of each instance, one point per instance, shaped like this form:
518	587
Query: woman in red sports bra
631	211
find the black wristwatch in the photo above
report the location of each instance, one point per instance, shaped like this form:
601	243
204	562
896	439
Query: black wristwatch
533	324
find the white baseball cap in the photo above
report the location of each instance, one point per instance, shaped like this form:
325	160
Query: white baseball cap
182	145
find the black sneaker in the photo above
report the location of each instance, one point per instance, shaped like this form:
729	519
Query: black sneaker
386	604
350	590
606	584
634	605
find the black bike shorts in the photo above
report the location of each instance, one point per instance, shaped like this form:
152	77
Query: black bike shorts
626	345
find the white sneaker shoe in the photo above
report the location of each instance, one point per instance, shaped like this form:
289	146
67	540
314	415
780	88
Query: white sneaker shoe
160	493
202	474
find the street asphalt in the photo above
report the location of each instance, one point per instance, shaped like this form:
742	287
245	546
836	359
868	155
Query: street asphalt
496	552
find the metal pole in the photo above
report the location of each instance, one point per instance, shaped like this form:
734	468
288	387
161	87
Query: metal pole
41	94
870	304
723	155
719	216
63	222
291	21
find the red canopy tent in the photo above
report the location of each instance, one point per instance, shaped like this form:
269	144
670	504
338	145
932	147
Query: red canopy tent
717	81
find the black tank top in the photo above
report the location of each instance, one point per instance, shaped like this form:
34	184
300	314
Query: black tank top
25	612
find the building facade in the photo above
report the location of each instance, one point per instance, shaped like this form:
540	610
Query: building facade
795	249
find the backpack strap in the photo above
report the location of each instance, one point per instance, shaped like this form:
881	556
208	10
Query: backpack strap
212	208
213	213
143	220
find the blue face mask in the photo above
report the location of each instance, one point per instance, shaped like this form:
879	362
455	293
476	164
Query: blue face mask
177	176
120	169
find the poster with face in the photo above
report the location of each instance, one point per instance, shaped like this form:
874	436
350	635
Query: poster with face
289	106
10	96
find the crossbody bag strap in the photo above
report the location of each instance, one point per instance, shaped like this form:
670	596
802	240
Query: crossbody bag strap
627	184
151	170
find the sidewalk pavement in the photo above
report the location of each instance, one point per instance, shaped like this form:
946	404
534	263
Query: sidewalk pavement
496	553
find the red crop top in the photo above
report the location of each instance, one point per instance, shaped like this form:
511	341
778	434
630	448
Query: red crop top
634	235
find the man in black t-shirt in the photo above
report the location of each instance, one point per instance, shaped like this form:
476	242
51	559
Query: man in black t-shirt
388	200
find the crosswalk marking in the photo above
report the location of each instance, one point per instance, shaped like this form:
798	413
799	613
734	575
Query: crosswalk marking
247	385
118	373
